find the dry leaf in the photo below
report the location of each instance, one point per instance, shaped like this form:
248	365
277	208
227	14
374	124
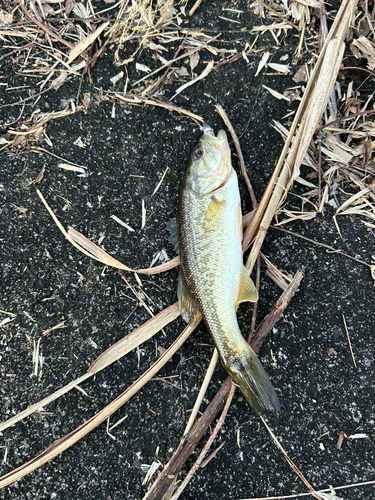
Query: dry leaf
151	471
206	71
336	150
294	215
86	101
57	82
362	47
363	28
5	17
48	10
78	142
142	67
183	71
86	42
122	223
194	60
80	10
117	77
67	166
353	199
262	62
68	7
40	175
275	93
340	440
301	75
280	68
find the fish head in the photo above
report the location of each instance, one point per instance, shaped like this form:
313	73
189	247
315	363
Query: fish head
210	164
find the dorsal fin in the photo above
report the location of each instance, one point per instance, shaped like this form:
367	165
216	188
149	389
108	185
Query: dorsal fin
171	225
247	291
187	303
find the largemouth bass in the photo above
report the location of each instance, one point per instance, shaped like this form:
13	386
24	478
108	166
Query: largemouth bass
212	276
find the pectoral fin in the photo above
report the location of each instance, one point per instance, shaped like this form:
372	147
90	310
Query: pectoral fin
187	303
247	291
211	218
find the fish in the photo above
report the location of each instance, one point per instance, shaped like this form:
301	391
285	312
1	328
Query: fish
212	277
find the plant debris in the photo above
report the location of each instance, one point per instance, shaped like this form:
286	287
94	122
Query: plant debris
327	164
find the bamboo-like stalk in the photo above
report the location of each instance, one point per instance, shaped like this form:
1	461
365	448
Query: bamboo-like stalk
207	446
202	391
305	123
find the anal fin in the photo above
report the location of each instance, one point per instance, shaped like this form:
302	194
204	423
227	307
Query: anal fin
247	291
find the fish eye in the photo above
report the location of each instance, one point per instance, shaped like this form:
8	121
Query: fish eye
198	154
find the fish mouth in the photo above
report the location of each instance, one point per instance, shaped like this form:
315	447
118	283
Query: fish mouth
220	144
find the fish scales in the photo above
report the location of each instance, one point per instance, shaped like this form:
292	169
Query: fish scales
212	277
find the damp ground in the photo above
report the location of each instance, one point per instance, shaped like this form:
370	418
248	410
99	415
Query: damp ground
45	281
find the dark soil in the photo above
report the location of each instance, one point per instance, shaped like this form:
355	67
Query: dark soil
307	355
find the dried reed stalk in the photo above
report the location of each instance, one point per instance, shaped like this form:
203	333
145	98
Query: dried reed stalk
305	123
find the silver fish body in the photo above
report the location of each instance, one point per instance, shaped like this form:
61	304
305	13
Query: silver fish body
212	277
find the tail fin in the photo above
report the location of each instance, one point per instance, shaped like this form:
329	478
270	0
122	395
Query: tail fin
247	371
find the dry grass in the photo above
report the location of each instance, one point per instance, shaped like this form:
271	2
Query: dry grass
334	142
55	43
340	157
